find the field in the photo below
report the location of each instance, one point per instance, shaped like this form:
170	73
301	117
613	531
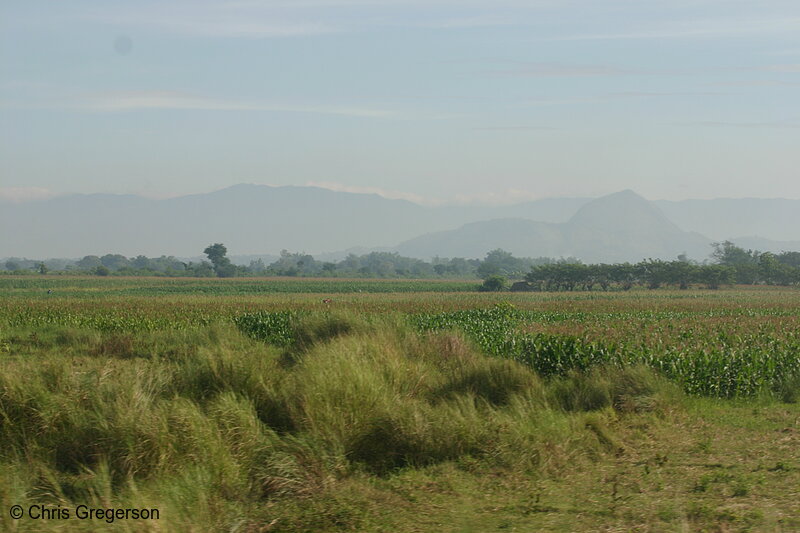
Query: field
252	405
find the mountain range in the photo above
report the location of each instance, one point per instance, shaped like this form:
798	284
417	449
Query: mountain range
258	219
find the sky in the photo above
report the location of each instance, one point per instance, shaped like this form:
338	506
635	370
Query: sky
436	101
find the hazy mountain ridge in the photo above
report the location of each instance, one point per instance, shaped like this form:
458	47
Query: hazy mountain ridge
619	227
262	220
776	219
249	219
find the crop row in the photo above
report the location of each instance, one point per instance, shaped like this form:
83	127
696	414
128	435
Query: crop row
708	363
94	288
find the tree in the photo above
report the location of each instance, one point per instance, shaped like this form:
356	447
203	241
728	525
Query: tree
222	265
141	262
715	275
42	268
789	258
89	262
203	269
494	284
679	273
100	270
500	262
728	254
114	261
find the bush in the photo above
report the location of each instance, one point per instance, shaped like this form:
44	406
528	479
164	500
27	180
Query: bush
494	283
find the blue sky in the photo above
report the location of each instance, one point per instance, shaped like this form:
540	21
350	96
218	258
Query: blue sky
440	101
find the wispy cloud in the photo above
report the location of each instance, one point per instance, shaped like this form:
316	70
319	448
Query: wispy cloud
24	194
242	28
386	193
215	19
791	67
646	94
699	28
767	124
122	101
493	198
563	70
755	83
514	128
496	198
477	21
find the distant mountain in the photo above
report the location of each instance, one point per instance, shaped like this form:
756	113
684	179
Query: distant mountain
253	220
626	227
524	238
720	219
248	219
766	245
619	227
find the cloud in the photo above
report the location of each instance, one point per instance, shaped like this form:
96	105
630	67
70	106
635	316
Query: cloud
644	94
213	19
766	124
24	194
755	83
121	101
562	70
793	67
244	28
386	193
496	198
515	128
702	28
478	21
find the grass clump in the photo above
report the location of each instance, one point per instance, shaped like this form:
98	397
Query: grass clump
223	421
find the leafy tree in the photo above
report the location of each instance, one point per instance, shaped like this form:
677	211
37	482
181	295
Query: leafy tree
89	262
679	273
42	268
203	269
141	262
222	265
728	254
623	274
789	258
257	266
494	284
114	261
100	270
715	275
500	262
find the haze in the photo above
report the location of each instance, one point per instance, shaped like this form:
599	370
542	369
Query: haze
437	102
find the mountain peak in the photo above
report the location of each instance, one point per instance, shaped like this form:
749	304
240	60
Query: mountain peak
618	210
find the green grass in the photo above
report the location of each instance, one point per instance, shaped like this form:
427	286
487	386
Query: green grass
406	412
94	287
708	362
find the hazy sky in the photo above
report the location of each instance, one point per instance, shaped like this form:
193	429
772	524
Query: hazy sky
434	100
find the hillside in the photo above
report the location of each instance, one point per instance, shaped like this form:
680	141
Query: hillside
259	220
619	227
249	219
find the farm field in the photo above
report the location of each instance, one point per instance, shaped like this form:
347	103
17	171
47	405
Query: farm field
252	405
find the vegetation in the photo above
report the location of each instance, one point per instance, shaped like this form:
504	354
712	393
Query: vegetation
222	265
730	265
228	407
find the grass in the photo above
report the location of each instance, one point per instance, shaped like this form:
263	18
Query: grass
355	417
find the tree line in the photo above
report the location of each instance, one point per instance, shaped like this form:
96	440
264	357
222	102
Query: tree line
292	264
728	264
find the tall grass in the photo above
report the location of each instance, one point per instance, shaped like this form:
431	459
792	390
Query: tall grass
218	429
